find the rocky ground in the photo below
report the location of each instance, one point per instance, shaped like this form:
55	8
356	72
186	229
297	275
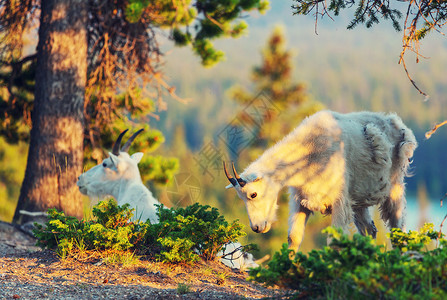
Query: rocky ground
27	272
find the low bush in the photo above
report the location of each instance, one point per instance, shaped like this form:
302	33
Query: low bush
358	268
186	233
111	230
183	235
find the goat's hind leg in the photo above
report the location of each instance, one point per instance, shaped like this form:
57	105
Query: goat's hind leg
394	208
298	216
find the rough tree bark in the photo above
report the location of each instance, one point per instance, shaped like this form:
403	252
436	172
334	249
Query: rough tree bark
56	144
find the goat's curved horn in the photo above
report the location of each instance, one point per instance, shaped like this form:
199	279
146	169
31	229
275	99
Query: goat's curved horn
241	181
230	178
130	140
116	146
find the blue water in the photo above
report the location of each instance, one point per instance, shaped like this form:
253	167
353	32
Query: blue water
433	213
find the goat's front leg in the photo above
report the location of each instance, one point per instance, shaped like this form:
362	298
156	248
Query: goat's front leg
364	223
298	216
341	215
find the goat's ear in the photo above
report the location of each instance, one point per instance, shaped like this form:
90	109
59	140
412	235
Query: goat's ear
229	186
137	156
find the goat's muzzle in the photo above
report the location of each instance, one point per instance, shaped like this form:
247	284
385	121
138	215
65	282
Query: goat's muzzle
261	228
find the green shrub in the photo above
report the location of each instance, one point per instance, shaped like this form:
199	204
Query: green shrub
203	227
357	267
61	232
183	235
177	250
110	215
413	240
111	230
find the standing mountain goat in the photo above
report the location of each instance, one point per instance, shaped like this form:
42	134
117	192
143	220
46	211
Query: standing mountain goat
118	176
337	164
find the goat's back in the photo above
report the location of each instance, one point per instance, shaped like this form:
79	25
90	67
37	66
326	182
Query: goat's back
378	148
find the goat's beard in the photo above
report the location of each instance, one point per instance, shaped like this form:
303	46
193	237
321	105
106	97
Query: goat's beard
83	190
272	217
267	227
94	194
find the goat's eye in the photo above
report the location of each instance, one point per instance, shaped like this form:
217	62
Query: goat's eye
253	195
104	165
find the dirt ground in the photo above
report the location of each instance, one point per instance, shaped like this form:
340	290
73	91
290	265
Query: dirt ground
27	272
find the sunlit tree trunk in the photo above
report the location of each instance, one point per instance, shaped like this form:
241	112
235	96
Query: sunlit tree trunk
56	145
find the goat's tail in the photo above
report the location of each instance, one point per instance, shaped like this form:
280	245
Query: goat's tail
405	146
406	149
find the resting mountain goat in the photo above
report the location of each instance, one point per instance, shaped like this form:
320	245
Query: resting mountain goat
118	176
334	163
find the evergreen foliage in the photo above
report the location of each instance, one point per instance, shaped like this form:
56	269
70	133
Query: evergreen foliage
124	59
358	268
202	226
183	235
428	15
15	116
420	18
124	54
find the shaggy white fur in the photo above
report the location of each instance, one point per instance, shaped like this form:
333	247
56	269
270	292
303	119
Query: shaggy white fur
118	176
337	164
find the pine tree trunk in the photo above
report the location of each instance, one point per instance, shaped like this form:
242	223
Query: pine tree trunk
56	145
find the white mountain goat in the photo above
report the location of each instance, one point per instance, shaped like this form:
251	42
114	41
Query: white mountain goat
339	164
118	176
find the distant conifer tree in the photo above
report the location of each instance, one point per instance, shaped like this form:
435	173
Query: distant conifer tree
287	102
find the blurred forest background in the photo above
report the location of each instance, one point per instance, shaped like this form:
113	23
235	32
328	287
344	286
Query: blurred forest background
337	69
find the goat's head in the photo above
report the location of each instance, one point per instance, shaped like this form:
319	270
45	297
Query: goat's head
259	195
103	180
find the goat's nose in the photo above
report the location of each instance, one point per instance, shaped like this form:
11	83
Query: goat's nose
255	228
